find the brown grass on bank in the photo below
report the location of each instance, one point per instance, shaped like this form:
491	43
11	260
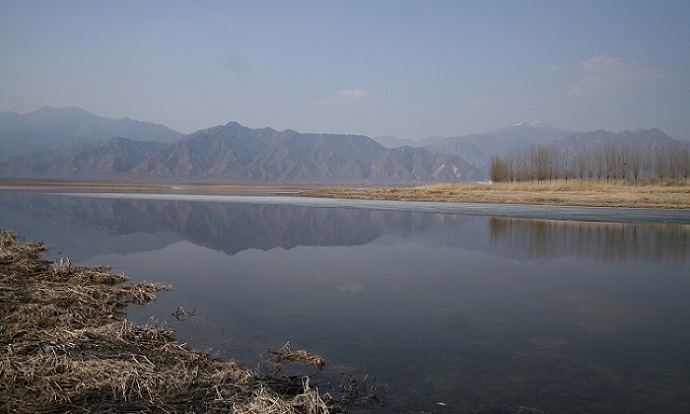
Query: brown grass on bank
557	192
65	347
647	193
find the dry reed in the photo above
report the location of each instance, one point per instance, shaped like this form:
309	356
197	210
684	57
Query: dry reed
556	192
66	347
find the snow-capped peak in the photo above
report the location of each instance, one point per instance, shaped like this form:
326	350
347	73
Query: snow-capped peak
531	123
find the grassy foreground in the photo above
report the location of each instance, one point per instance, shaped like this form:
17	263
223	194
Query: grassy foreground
571	193
66	347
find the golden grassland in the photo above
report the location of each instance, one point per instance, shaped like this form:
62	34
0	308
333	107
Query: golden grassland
571	193
65	346
652	194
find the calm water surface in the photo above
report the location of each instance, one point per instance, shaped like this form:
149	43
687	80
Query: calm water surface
466	305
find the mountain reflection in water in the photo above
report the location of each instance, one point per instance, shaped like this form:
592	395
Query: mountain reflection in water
465	309
227	227
235	227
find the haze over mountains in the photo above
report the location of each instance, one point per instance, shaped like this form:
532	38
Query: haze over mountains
50	129
73	144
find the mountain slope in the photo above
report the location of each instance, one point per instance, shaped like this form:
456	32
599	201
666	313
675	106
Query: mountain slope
395	142
105	159
293	156
478	149
586	142
230	148
49	129
234	152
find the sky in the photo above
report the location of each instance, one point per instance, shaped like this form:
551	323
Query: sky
409	69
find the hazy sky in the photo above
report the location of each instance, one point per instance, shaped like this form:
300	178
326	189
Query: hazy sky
409	69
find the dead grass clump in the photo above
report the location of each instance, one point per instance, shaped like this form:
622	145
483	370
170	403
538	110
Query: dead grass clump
10	247
286	354
65	346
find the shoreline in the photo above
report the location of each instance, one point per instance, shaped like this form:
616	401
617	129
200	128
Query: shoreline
67	347
556	193
543	194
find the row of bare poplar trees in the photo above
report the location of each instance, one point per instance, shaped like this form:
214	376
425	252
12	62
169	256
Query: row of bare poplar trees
613	161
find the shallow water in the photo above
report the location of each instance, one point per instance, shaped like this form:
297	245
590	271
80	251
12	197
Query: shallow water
465	305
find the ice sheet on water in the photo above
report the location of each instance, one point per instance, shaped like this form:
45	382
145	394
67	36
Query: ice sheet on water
595	214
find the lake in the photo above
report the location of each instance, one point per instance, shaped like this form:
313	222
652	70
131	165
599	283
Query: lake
454	306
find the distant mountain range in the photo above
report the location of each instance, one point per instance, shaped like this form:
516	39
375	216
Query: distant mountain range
647	139
395	142
234	152
112	157
49	129
477	149
73	144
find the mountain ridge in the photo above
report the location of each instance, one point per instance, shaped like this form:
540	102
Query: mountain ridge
48	129
79	146
110	158
478	149
234	152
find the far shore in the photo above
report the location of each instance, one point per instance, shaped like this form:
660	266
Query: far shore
560	193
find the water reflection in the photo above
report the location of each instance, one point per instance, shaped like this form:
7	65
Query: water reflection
227	227
235	227
465	310
609	242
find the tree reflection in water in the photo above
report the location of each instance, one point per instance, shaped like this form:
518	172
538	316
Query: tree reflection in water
608	242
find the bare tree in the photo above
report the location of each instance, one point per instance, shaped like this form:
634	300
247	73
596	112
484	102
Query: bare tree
499	170
511	160
622	161
635	161
648	163
524	172
566	166
583	166
660	163
599	164
685	163
541	162
612	161
677	162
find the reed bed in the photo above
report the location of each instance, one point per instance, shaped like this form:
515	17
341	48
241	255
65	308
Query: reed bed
556	192
66	346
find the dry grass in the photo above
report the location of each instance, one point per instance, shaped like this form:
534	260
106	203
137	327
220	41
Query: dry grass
65	347
558	192
573	193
